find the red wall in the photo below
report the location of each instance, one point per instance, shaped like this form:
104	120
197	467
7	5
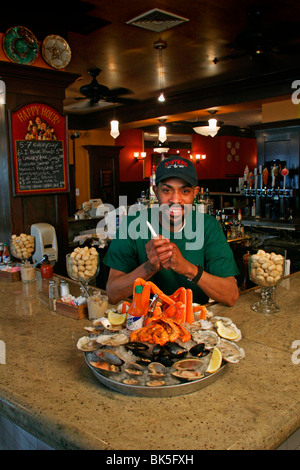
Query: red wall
224	155
133	141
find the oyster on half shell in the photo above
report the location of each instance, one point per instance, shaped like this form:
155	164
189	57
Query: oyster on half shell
112	340
230	351
209	338
85	343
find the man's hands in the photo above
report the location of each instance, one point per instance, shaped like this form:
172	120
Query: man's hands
159	250
163	254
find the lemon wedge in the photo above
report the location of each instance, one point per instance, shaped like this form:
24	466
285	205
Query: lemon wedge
116	319
215	361
226	332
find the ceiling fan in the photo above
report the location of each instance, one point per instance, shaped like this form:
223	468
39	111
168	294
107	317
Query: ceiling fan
100	96
259	40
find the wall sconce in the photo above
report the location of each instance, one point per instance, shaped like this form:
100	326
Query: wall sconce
200	157
139	156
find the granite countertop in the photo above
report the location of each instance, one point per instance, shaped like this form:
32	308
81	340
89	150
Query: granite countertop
47	389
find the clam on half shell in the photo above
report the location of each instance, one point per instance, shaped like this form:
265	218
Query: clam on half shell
188	375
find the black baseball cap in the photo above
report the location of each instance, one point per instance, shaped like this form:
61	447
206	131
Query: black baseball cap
177	167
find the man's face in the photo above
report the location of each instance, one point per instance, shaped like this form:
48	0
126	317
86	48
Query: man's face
174	194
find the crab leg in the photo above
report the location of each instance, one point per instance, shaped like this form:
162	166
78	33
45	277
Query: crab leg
170	311
202	309
176	295
182	298
180	312
124	305
184	334
189	318
163	297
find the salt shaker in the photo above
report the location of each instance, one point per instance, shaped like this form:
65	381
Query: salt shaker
53	294
64	288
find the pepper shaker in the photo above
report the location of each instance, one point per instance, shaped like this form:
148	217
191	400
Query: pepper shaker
53	294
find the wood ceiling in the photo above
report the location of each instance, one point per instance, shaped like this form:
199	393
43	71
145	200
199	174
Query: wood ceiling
236	85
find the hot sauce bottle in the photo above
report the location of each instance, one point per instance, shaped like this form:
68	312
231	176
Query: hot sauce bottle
46	268
135	314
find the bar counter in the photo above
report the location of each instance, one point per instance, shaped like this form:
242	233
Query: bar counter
47	389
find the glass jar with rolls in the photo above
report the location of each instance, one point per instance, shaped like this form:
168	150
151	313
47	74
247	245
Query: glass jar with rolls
83	265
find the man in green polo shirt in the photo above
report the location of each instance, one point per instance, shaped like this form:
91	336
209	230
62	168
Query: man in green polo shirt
188	250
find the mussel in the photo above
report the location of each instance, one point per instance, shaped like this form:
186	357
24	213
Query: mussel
140	350
175	350
136	346
199	350
144	356
158	350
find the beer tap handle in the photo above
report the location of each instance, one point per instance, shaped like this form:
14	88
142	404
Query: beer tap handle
284	173
255	178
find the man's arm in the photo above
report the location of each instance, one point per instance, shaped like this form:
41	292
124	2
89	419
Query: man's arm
220	289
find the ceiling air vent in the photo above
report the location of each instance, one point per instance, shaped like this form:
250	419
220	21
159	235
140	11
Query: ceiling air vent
157	20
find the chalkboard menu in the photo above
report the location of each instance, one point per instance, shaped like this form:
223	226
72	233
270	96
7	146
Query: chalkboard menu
39	150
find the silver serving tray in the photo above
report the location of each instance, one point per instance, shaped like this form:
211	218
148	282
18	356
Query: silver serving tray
159	392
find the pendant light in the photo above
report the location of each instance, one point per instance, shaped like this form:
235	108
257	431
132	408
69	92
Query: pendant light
161	146
212	129
114	127
160	45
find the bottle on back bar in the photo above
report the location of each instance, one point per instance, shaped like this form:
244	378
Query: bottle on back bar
5	254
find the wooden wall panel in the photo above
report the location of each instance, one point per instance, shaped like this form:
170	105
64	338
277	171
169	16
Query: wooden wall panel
24	85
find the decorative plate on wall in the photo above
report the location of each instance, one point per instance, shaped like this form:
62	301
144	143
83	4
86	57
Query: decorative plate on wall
56	51
20	45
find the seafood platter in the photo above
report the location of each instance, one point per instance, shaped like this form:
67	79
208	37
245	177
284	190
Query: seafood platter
180	348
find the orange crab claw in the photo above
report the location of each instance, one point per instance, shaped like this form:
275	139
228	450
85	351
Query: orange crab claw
163	297
189	318
180	312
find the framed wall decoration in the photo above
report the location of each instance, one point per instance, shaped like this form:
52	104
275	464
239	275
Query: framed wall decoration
39	150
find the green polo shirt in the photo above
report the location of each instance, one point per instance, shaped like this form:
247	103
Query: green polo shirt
201	241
